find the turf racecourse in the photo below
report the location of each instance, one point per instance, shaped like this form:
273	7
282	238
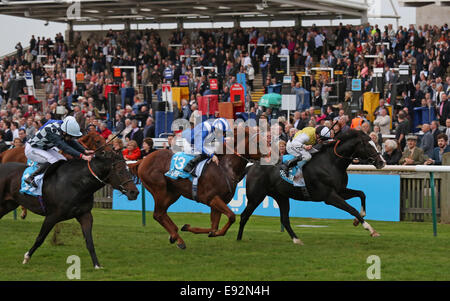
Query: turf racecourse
129	251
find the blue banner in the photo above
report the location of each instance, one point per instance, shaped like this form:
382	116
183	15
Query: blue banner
382	202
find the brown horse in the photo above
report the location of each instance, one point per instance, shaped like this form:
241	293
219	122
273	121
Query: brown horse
216	185
91	141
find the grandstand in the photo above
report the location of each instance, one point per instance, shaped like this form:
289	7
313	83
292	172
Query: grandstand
134	48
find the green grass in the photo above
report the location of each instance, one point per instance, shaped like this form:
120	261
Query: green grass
129	251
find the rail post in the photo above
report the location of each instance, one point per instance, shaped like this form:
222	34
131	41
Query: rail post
433	204
143	204
445	192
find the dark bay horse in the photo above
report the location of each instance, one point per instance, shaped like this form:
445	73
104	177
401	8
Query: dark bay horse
216	186
325	177
68	192
91	141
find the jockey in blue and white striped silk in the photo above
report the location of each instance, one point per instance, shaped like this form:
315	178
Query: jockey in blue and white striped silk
202	137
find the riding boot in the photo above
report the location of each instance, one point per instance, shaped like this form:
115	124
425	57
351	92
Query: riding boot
289	164
41	169
189	168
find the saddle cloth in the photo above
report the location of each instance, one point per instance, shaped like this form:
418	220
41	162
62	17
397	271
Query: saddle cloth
179	162
295	176
39	179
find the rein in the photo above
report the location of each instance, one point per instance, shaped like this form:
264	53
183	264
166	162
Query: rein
351	158
121	186
111	140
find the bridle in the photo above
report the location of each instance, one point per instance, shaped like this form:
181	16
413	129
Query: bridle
352	157
240	155
121	185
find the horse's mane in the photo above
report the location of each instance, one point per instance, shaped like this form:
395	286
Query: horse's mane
349	134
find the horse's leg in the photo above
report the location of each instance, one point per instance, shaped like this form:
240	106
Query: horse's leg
339	202
86	221
48	224
218	204
254	199
284	205
215	219
160	215
24	212
348	193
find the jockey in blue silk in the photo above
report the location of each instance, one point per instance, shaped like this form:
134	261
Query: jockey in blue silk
202	137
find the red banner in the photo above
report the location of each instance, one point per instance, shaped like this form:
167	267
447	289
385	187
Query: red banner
117	72
213	84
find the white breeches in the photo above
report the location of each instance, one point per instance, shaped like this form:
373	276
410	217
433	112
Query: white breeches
296	149
42	156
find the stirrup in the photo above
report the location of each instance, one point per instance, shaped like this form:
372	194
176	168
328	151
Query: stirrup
31	181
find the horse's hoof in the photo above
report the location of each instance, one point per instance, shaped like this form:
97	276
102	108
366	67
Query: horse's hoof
182	246
212	234
298	242
98	267
172	240
23	216
26	258
355	222
185	227
375	234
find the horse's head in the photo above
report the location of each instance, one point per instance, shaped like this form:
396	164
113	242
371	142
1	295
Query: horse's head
119	176
359	146
246	142
92	141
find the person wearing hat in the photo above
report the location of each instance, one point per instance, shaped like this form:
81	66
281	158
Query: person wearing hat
55	135
412	155
305	142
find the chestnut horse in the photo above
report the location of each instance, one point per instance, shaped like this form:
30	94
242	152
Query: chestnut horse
91	141
216	185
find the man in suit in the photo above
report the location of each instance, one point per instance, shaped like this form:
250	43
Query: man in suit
413	155
435	131
444	110
149	128
447	129
418	94
301	120
443	147
427	141
388	76
135	133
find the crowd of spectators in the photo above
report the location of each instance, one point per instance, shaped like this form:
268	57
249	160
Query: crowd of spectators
425	49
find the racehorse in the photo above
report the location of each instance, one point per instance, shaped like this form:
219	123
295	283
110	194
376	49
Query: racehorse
68	192
216	185
325	177
91	141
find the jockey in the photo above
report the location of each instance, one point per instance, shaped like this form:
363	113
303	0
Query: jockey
56	134
201	137
301	146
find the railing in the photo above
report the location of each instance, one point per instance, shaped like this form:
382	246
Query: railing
420	195
103	197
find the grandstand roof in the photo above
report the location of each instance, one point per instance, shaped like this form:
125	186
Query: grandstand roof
161	11
420	3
